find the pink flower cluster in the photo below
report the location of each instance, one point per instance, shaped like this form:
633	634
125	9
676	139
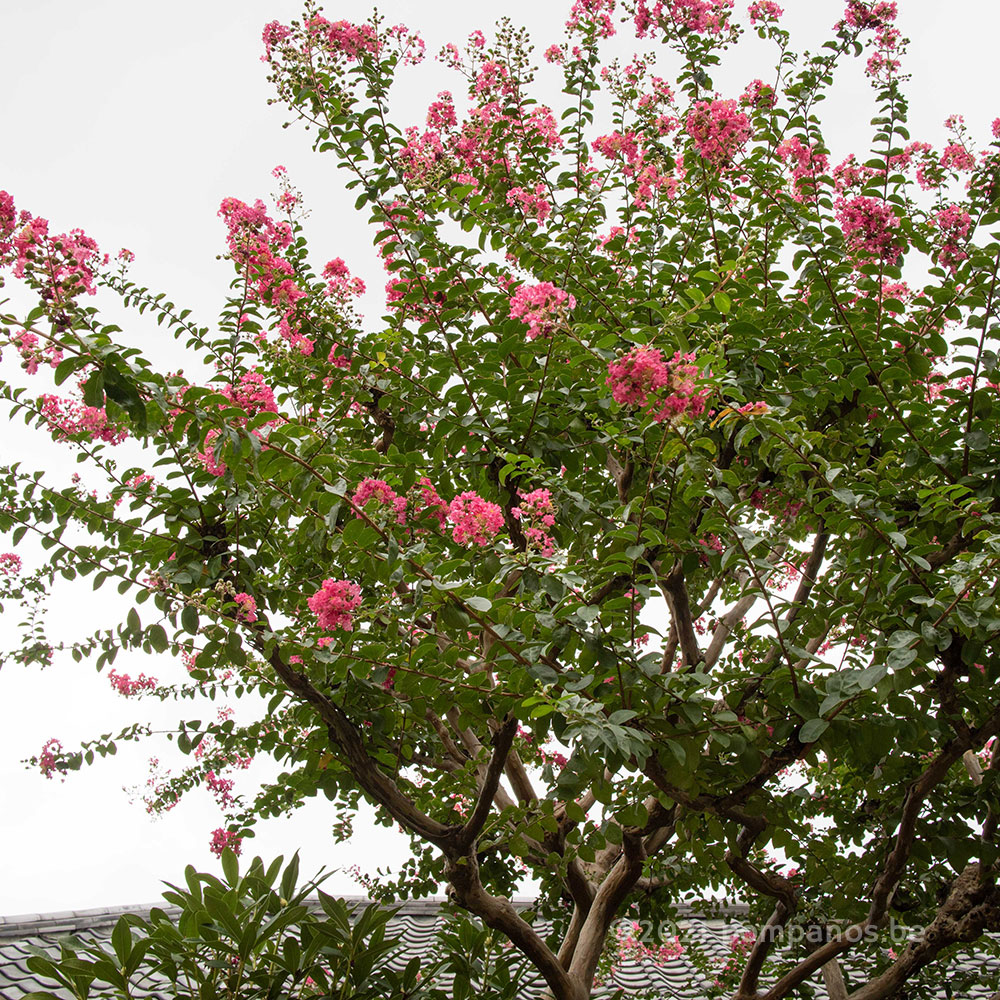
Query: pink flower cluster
758	95
592	16
334	604
251	393
424	158
10	564
719	130
631	947
493	78
255	244
383	494
541	308
65	265
221	788
67	419
48	759
493	135
221	839
689	15
850	174
427	501
764	10
882	64
869	226
213	466
352	41
127	687
956	157
533	204
474	519
441	113
867	15
806	165
650	177
246	607
668	388
954	223
537	514
339	283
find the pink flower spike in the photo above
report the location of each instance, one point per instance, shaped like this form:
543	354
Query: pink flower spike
10	564
221	839
542	308
475	519
335	603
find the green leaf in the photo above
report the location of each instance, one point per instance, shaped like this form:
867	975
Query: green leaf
813	730
189	619
157	637
230	867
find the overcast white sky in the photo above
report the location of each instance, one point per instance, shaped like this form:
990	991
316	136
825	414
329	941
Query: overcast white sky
132	121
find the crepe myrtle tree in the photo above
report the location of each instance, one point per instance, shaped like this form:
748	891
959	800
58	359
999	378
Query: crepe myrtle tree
648	545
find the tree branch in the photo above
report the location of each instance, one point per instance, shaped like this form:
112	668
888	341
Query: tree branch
502	741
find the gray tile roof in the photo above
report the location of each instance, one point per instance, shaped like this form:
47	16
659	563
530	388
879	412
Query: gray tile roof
417	923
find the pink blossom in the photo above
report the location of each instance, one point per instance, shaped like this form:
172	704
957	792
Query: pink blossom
556	54
868	225
669	388
247	607
68	419
493	77
764	10
345	41
474	519
631	947
255	244
335	603
427	501
690	15
537	514
65	264
592	16
869	14
251	393
719	130
273	35
383	494
956	157
48	759
850	174
532	203
10	564
542	124
8	223
127	687
339	283
221	788
221	839
409	44
753	409
954	223
441	114
213	466
424	158
541	308
758	95
805	162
